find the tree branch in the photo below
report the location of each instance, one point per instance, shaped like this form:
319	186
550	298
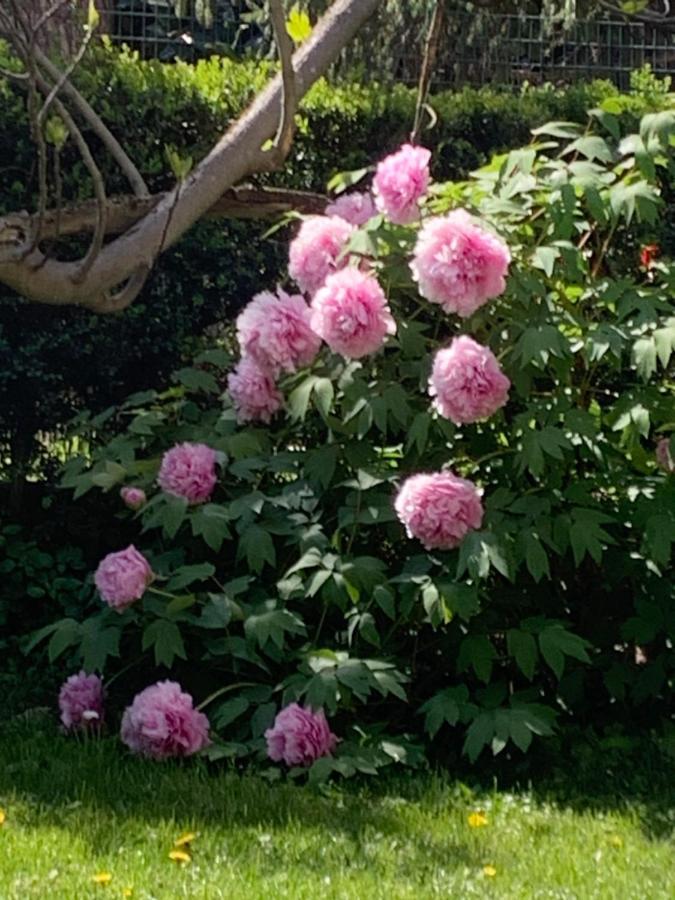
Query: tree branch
125	211
97	125
232	159
289	102
428	63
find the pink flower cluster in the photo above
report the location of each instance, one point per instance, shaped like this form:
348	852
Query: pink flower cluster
253	391
459	264
351	314
162	722
122	577
318	250
467	382
439	509
663	455
81	702
299	736
189	471
356	208
401	181
275	330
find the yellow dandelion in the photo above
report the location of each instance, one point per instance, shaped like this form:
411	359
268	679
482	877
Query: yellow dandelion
102	878
3	817
489	871
127	892
616	841
477	819
185	839
180	856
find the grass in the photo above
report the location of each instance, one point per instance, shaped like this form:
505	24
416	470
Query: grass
74	810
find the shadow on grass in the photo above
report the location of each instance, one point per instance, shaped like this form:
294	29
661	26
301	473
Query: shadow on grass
42	767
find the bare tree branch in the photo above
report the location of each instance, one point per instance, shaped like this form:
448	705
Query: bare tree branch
289	103
235	156
65	75
97	125
125	211
428	63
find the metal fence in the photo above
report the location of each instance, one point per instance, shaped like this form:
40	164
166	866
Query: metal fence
477	49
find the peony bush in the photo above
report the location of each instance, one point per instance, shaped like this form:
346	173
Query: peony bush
428	507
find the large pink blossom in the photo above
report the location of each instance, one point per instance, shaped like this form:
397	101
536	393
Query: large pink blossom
317	250
122	577
133	497
81	702
467	382
274	329
253	390
400	182
189	471
439	509
356	208
162	722
351	313
299	736
663	455
458	263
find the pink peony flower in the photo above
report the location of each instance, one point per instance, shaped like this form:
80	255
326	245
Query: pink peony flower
439	509
299	736
315	252
134	497
467	382
162	722
351	313
254	394
189	471
663	455
81	702
275	331
356	208
459	264
400	182
122	577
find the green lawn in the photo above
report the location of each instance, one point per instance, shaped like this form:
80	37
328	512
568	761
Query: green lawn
73	811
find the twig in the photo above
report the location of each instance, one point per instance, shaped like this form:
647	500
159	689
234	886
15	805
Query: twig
97	125
289	102
428	63
65	75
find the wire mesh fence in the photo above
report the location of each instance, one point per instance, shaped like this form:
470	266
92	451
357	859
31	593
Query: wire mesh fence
476	49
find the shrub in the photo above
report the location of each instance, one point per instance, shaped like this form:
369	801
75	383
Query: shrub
59	361
295	582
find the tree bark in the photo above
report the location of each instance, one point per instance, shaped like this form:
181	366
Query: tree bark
236	156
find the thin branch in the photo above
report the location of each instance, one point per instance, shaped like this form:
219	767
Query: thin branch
97	125
47	15
289	101
65	75
107	303
428	63
97	179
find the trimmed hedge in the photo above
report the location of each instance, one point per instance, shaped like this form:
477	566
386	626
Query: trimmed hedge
58	361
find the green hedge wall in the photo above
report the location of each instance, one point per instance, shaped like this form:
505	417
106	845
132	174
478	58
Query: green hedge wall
56	361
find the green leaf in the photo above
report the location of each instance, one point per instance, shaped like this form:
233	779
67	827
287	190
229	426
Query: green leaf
298	24
167	641
644	357
479	735
197	380
189	574
536	558
210	522
272	626
523	648
477	651
172	514
555	643
66	633
228	711
445	706
262	719
418	433
257	546
320	464
98	643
